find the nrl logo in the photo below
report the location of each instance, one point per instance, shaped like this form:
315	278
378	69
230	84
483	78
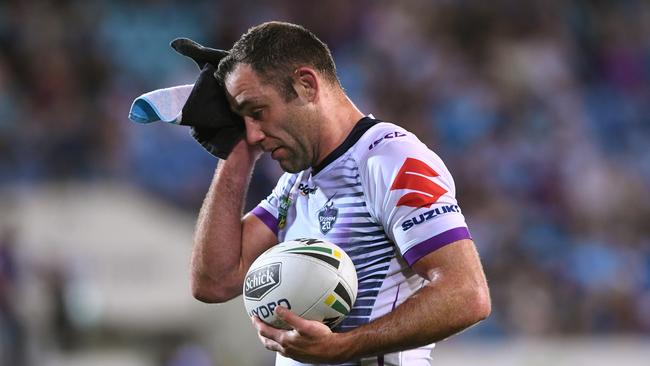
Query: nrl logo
327	216
261	281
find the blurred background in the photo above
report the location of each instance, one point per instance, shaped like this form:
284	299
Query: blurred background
541	110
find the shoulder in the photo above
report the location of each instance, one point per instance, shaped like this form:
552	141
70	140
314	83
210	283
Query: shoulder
386	147
382	134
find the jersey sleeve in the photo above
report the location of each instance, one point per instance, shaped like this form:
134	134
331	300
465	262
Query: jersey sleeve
411	192
268	209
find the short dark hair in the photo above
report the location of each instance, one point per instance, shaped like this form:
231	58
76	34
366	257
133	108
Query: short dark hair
274	50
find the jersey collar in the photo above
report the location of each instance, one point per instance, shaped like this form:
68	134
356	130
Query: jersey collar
358	130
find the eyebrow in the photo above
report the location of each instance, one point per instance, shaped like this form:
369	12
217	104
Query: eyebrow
243	105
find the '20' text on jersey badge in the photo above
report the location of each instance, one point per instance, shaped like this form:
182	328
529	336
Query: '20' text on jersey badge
327	216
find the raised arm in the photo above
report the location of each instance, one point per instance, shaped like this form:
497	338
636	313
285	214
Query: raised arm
225	244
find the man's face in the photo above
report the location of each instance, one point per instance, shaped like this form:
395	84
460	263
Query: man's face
287	130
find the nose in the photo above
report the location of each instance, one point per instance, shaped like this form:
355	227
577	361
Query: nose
254	134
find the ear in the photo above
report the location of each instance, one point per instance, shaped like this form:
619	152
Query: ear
307	83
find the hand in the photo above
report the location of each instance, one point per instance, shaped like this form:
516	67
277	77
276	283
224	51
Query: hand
201	55
213	124
309	341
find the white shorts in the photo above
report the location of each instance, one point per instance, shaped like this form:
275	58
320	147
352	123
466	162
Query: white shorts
415	357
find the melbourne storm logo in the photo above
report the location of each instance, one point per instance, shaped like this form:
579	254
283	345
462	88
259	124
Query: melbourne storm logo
327	216
261	281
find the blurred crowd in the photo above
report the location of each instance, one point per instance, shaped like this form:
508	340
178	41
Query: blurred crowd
541	110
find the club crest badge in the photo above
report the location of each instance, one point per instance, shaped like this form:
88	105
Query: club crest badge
327	216
283	210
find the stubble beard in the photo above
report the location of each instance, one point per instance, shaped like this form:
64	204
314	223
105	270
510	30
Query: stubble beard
301	129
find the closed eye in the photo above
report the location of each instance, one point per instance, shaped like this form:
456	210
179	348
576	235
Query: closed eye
257	113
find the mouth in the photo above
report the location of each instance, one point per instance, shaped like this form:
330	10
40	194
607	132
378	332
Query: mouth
275	152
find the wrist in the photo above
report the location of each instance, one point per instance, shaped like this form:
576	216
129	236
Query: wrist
344	346
243	153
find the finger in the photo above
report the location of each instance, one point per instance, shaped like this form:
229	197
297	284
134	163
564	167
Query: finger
270	344
185	46
266	330
289	317
189	48
200	54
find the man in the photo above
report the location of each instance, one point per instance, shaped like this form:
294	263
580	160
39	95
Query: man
369	186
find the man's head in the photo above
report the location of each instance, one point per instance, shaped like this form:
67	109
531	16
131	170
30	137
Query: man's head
274	50
282	80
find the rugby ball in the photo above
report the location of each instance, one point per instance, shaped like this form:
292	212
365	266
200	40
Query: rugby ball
313	278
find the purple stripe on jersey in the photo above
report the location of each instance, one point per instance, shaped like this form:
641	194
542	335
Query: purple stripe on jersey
420	250
380	360
396	297
267	218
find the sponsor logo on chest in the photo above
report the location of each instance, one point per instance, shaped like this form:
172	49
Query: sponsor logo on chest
306	189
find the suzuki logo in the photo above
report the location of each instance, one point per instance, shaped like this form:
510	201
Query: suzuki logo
416	175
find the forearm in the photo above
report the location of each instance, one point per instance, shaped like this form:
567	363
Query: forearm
437	311
216	258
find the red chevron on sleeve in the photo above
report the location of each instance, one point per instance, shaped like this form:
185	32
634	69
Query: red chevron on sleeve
415	175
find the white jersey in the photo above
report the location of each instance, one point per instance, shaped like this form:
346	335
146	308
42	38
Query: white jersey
384	198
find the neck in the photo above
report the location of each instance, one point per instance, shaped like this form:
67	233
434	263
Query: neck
340	116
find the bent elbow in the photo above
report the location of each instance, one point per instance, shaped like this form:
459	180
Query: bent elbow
207	297
210	293
481	306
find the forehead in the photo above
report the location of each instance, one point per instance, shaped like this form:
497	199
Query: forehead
243	84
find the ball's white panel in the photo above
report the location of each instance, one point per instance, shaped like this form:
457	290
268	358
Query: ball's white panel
314	279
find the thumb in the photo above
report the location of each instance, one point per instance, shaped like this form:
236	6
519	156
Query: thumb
200	54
